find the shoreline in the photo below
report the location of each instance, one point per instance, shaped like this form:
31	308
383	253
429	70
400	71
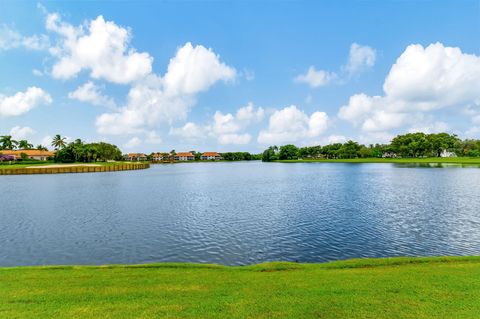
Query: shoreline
426	160
73	168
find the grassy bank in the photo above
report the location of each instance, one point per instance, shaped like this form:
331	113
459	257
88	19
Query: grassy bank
369	288
426	160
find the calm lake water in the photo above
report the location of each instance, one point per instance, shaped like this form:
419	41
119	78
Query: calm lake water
239	213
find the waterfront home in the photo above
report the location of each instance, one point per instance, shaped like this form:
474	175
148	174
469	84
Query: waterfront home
161	157
135	157
446	153
31	154
209	156
184	156
389	155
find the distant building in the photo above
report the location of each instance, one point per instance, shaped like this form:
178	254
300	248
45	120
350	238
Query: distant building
135	157
185	156
389	155
208	156
31	154
157	157
446	153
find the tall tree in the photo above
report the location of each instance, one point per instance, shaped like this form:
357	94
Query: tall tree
7	142
58	142
24	145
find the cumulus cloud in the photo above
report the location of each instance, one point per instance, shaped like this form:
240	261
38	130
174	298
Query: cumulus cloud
12	39
189	132
101	47
315	78
21	133
361	57
227	128
422	79
91	93
195	69
22	102
169	98
290	124
132	143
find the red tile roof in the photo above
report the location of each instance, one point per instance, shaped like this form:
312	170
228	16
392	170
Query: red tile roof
211	154
184	154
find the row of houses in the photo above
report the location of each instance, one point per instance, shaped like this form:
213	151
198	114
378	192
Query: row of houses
12	155
167	157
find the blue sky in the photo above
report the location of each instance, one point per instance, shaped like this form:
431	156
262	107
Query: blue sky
220	75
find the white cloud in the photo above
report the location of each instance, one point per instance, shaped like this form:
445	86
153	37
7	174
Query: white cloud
155	99
99	46
21	133
37	72
91	93
195	69
22	102
291	124
422	80
12	39
227	128
132	143
234	139
315	78
152	137
332	139
361	57
189	132
46	141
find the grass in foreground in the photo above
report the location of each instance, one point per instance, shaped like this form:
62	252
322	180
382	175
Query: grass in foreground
426	160
446	287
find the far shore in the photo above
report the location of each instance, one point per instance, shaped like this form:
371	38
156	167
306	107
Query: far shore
422	160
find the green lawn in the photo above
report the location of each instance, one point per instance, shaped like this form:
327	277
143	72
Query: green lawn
451	160
369	288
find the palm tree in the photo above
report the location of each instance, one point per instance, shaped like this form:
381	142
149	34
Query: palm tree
41	148
24	145
7	142
58	142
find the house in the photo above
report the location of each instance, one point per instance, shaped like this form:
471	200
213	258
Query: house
157	157
446	153
389	155
185	156
135	157
208	156
161	157
31	154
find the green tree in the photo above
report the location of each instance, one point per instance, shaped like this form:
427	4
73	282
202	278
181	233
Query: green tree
7	142
41	148
288	152
270	154
24	145
58	142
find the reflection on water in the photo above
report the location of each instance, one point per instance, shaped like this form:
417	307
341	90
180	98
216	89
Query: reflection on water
239	213
437	165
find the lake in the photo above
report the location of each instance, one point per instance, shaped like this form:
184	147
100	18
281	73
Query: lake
239	213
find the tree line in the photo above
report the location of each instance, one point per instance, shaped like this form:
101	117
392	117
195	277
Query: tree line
76	151
409	145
